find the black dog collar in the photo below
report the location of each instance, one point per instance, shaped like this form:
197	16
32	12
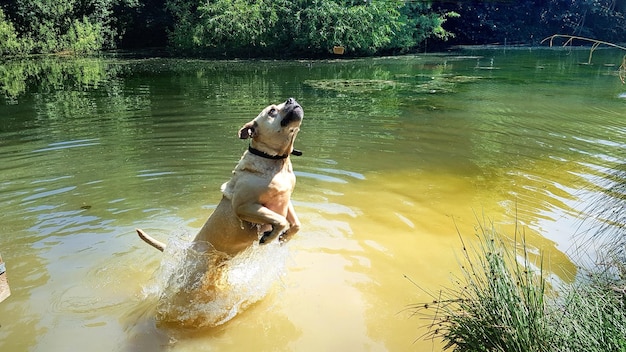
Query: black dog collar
273	157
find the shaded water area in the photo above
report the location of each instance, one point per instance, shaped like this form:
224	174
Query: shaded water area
400	155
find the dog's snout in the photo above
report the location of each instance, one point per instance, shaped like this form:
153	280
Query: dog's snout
291	103
291	112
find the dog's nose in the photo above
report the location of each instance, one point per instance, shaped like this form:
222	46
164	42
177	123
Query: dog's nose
290	101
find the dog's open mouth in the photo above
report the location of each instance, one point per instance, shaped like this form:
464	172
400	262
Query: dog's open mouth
293	112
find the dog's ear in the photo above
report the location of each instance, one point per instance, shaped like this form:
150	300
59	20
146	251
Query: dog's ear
247	131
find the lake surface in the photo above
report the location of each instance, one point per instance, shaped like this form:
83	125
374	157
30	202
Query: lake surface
401	155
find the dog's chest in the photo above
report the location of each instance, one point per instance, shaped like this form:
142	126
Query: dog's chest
282	182
278	192
270	181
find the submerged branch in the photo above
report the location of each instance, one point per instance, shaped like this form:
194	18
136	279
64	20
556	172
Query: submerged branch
571	38
595	44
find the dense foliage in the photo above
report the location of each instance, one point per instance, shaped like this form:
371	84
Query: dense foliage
280	28
529	21
44	26
216	27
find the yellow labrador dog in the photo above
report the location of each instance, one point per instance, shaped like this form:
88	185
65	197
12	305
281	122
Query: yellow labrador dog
256	202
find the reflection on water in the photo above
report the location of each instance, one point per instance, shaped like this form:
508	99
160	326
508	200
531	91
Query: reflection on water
400	154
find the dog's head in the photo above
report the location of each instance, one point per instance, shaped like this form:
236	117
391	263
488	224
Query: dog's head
274	130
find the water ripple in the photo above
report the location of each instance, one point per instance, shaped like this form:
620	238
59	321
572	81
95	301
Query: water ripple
69	144
42	193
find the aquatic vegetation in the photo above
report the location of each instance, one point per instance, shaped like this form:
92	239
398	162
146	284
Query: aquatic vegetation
443	84
496	305
434	84
352	85
504	302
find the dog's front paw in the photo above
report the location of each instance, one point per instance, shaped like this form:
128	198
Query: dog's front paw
287	235
284	238
268	236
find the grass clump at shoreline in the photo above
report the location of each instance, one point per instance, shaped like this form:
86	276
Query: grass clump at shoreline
503	301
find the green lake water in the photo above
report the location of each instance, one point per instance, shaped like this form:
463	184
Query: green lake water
400	153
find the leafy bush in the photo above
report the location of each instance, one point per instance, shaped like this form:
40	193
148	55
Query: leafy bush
48	26
10	43
361	29
281	28
235	25
421	23
84	36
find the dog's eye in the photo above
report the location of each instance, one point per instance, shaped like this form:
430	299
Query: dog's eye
272	112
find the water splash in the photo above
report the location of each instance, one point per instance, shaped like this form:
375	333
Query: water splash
199	286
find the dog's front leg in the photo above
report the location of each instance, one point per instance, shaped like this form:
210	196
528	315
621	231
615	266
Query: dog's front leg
258	214
294	224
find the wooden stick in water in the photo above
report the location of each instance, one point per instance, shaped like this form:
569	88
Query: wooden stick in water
5	292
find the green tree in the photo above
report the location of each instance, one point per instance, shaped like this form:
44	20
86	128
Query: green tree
84	36
45	26
10	43
302	28
361	29
421	22
235	24
276	28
